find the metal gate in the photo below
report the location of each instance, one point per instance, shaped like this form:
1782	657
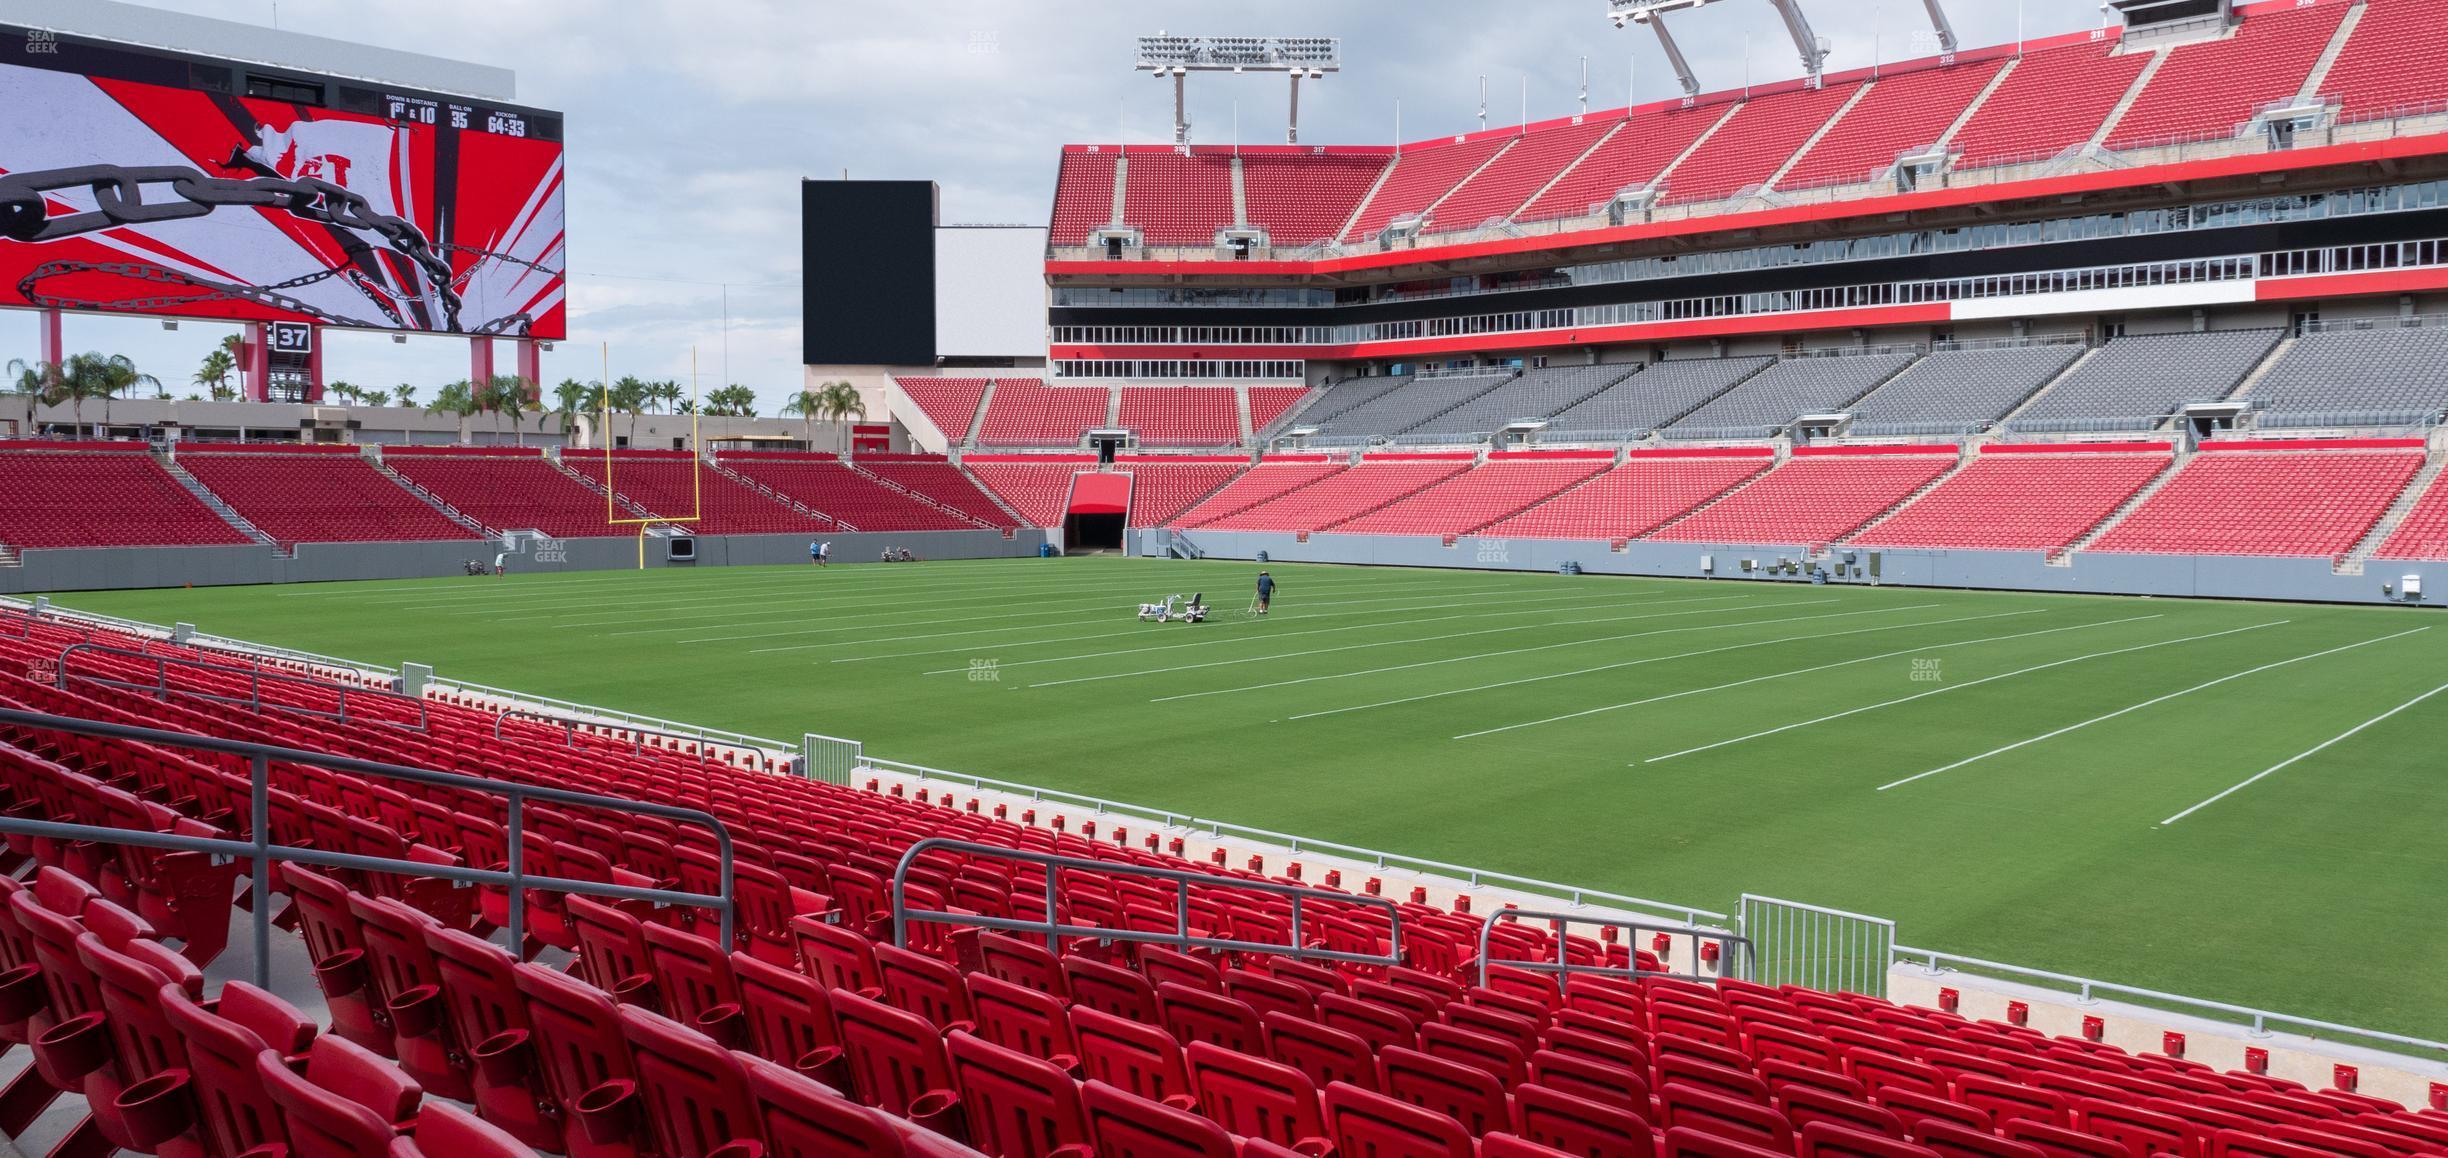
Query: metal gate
1827	949
830	759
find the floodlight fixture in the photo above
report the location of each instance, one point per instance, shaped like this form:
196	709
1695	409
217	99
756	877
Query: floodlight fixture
1653	12
1298	57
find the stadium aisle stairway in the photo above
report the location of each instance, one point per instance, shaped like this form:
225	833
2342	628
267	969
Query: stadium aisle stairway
939	481
811	1035
504	488
822	482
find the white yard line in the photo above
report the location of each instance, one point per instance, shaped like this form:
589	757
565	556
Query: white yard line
1034	614
2056	663
1230	639
1497	630
1541	647
2128	710
2314	750
1743	682
1577	602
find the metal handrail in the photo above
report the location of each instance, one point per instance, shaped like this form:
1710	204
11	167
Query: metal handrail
1566	970
1937	964
1217	828
594	713
255	681
637	742
262	852
1054	930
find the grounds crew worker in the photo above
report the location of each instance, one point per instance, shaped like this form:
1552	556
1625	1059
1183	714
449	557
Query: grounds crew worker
1266	591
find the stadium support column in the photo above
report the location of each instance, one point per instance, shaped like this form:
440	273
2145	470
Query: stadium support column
531	367
480	361
314	366
256	364
51	348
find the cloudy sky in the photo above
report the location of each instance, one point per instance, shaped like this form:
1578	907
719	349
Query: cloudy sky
691	121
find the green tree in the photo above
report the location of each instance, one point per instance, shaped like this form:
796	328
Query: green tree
841	401
630	396
804	406
570	399
733	401
457	399
665	393
234	346
214	374
103	376
41	384
512	395
403	395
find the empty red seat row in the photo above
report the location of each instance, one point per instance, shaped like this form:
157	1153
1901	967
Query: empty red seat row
1903	111
1421	175
1161	491
1632	499
1764	134
2018	502
856	501
1811	499
510	492
110	497
1185	415
1041	492
938	480
2396	60
950	403
680	486
2266	502
2054	100
319	498
1026	412
2209	90
1330	499
1465	502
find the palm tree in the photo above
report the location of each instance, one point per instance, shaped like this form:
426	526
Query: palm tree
630	396
347	392
104	376
234	346
839	401
511	394
570	399
457	399
806	406
667	392
214	374
733	401
41	384
403	395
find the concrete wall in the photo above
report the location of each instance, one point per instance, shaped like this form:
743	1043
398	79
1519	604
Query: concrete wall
2216	577
111	569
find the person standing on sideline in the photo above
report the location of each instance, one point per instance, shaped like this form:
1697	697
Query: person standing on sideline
821	554
1266	591
500	559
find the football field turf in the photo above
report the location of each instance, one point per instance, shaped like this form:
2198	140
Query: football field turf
2244	802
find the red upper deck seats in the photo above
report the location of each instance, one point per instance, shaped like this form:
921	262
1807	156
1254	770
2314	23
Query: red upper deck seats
1175	199
312	496
1422	174
1902	112
1083	195
108	494
1184	415
1028	412
2207	90
2054	100
1650	140
1499	190
2397	59
950	403
1300	198
1268	403
1764	134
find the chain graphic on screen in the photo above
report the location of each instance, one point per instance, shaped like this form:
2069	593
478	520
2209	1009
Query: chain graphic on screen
119	200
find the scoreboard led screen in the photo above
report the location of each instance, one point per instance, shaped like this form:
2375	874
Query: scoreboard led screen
328	202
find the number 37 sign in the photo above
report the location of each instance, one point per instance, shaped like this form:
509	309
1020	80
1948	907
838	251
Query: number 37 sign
294	338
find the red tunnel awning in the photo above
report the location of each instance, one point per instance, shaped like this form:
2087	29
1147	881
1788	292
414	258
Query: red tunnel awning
1100	494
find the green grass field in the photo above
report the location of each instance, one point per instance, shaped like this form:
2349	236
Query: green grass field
2028	778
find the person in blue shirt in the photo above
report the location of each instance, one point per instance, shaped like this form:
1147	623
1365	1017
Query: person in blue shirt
820	554
1266	591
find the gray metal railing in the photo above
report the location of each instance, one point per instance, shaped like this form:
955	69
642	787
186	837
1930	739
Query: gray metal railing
1565	970
1053	930
637	735
1297	844
255	675
261	852
1822	948
590	713
829	759
2086	991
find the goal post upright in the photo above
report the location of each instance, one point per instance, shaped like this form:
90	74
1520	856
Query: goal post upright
696	464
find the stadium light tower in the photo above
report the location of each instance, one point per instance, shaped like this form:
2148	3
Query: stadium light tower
1939	21
1652	12
1179	56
